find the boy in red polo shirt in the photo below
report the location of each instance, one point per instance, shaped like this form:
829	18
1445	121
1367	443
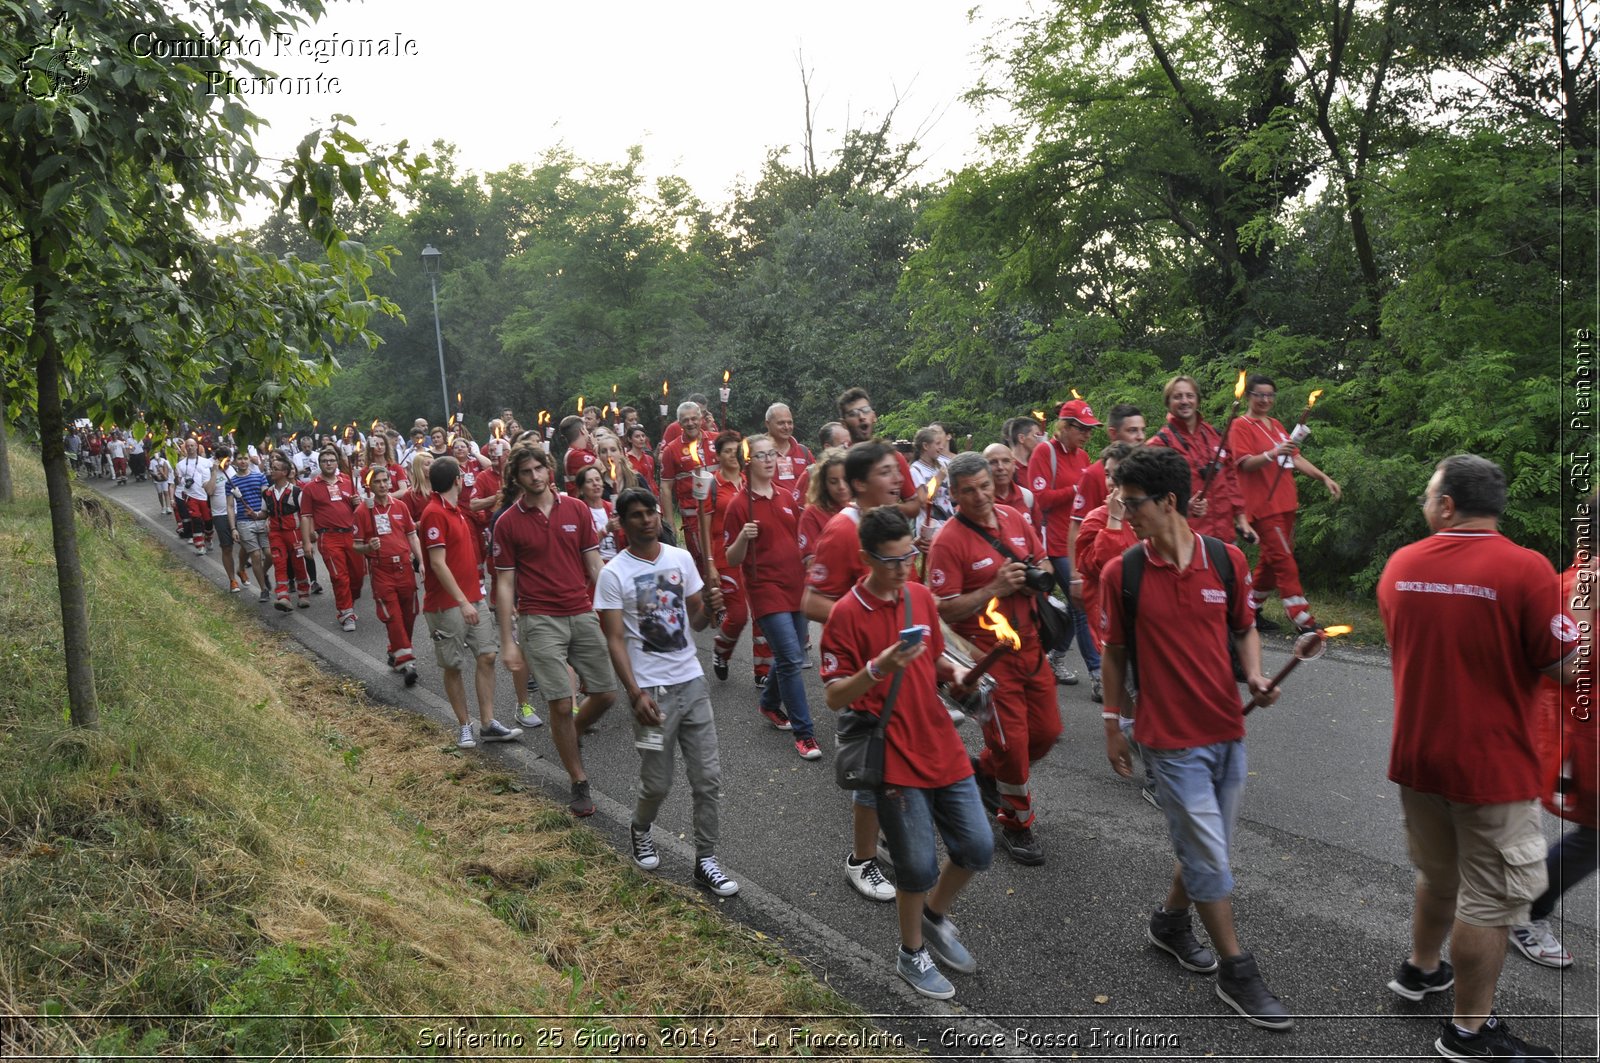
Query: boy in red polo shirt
327	523
451	595
1189	720
387	539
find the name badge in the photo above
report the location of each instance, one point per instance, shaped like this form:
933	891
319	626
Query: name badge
380	521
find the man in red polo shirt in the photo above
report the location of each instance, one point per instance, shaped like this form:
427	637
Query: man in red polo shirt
966	572
1054	469
580	449
387	539
1189	717
1473	621
451	595
762	531
327	523
1267	459
681	461
1007	491
1124	424
547	559
794	457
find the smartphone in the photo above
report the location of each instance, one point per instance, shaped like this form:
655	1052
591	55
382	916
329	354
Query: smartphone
913	635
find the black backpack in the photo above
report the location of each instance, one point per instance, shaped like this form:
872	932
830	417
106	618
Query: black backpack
1133	576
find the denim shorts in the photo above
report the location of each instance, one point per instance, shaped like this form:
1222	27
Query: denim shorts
1200	790
908	817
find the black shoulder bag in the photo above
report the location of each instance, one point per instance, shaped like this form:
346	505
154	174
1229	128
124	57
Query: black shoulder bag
858	762
1055	625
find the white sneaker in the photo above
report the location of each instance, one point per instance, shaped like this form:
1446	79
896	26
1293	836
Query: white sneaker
348	623
1535	941
868	880
708	873
644	850
466	741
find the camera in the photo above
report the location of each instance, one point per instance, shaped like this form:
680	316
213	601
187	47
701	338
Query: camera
1037	579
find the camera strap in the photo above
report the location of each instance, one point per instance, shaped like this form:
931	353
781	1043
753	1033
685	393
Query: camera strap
1000	547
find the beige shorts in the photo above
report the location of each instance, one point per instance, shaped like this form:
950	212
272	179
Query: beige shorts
457	643
550	643
1489	857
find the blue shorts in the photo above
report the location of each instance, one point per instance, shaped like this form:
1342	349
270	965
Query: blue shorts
908	817
1200	788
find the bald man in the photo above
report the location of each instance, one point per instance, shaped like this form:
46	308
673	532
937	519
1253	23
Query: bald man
1007	492
794	457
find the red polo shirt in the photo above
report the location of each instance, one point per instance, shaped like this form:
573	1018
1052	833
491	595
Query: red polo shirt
576	460
1187	696
330	506
1270	489
922	748
1053	494
679	460
774	579
448	528
1223	497
1091	490
392	526
960	562
1017	501
793	465
813	520
837	563
547	555
1472	620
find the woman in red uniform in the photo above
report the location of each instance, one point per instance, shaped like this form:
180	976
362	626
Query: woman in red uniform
387	538
281	503
827	492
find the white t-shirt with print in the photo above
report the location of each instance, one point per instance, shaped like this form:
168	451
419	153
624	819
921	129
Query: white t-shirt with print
654	600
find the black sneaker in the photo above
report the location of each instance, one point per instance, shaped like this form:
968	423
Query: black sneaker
1241	987
1266	626
719	666
1411	983
1493	1041
316	588
1022	846
987	790
708	873
1174	933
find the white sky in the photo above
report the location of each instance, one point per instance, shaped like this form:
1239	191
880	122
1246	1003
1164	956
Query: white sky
706	86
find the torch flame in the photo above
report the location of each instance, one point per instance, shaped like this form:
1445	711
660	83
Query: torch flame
744	451
933	486
374	424
613	463
1038	415
370	470
1335	631
1238	389
613	389
580	403
1076	395
694	451
663	389
724	376
994	620
1310	402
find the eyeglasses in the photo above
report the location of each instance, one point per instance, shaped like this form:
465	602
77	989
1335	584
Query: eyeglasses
763	455
1266	395
894	562
858	413
1135	501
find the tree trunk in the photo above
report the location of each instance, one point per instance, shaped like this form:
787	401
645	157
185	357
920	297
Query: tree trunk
82	700
7	492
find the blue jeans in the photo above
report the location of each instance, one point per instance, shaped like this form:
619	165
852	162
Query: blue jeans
908	817
1080	619
1572	859
1200	788
786	635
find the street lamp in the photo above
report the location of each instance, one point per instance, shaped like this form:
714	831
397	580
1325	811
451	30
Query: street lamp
430	266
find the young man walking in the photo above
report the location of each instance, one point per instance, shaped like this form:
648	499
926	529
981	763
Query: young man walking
649	597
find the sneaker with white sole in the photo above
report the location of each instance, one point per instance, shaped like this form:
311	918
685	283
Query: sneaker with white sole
922	974
777	718
466	741
644	849
868	879
1535	941
1063	671
527	717
808	748
1493	1040
708	873
943	939
495	731
1241	987
348	622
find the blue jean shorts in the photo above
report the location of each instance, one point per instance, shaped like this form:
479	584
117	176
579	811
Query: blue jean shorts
1200	788
909	816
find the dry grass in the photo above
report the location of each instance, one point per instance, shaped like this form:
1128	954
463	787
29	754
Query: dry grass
247	835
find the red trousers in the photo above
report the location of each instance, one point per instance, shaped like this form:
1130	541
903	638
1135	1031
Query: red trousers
394	599
345	567
738	614
1276	569
1025	726
288	561
196	520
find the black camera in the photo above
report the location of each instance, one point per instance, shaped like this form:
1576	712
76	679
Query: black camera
1037	579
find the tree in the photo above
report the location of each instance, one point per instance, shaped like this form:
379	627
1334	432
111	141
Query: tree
106	172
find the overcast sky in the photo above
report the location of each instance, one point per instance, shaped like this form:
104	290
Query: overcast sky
706	86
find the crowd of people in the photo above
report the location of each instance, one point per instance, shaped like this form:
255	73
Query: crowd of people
584	573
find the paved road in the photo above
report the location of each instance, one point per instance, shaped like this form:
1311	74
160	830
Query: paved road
1323	894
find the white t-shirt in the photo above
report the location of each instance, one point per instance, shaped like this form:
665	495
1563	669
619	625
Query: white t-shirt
305	465
192	476
219	493
117	448
161	470
654	600
602	521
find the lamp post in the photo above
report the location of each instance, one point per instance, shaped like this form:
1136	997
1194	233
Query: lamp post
430	266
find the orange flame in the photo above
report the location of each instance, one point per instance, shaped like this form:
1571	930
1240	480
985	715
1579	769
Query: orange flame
613	463
744	451
995	621
458	400
1076	395
724	376
1337	630
370	471
694	451
1310	402
663	389
580	403
1238	389
1038	415
613	389
933	486
374	424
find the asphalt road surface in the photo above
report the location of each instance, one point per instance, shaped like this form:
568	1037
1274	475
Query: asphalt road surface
1323	896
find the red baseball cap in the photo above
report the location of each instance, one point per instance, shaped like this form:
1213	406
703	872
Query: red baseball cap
1078	410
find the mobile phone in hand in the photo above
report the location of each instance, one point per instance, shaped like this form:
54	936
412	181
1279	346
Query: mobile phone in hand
913	635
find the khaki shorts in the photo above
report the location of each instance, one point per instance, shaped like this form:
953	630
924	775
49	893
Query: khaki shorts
253	535
550	643
1489	857
457	643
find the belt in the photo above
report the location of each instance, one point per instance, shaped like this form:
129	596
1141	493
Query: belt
394	559
335	531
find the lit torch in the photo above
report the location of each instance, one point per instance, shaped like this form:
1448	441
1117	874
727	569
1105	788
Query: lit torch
1296	437
663	398
969	694
459	415
724	391
1212	466
933	489
1308	647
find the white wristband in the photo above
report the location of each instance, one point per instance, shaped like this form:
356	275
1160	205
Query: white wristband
1110	716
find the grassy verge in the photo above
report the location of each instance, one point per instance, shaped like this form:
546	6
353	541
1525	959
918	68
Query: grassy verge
248	858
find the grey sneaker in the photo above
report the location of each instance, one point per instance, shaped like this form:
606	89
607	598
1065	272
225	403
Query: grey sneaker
1097	692
495	731
919	970
708	873
1241	987
1022	846
264	597
348	622
644	849
1174	932
1535	941
943	939
527	717
581	804
466	741
868	880
1064	673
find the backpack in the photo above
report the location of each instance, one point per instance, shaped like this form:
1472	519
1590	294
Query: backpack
1133	576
